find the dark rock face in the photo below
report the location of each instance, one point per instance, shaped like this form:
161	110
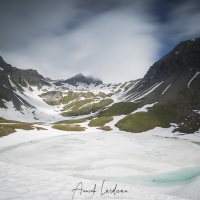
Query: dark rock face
19	76
184	58
79	78
175	69
13	79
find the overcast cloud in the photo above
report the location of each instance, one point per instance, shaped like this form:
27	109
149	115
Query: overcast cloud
113	40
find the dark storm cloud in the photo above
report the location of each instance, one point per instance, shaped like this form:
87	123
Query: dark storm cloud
24	20
178	22
64	37
183	20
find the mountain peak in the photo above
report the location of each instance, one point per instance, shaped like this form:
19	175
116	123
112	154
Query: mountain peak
184	58
78	75
80	78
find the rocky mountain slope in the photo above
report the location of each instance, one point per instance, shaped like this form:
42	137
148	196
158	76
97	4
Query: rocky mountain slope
168	95
12	82
174	70
173	82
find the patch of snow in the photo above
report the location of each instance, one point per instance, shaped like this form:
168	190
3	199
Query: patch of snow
132	87
197	73
18	98
176	53
5	86
166	89
114	121
197	111
90	129
147	92
42	112
12	84
92	88
169	134
144	108
1	69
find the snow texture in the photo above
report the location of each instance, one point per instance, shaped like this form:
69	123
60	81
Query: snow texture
147	92
39	111
197	73
50	164
144	108
166	89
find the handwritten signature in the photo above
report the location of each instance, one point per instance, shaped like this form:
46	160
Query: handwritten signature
103	190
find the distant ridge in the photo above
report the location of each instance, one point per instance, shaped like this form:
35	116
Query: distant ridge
80	78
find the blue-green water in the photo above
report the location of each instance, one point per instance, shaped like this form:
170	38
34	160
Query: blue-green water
198	143
172	178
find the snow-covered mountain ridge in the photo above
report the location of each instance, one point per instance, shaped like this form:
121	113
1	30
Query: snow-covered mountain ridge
28	96
168	95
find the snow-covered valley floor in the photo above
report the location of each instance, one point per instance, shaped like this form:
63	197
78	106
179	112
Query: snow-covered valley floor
51	164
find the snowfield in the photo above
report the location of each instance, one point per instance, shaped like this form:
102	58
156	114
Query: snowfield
52	164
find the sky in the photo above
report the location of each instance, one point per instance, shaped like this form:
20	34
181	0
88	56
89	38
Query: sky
114	40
